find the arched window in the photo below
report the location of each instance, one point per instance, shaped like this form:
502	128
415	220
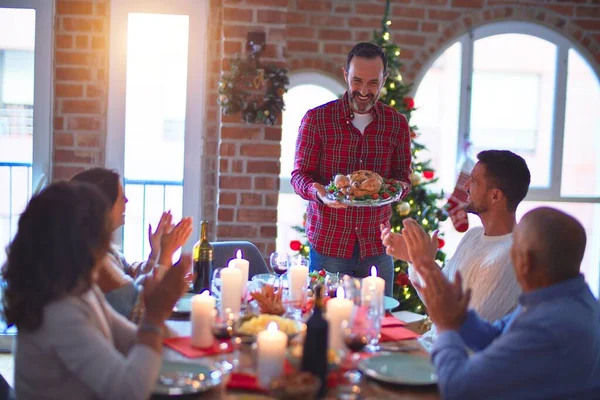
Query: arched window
521	87
307	90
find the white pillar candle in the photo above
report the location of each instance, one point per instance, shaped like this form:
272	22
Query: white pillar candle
231	289
297	280
271	344
378	283
203	306
338	309
243	265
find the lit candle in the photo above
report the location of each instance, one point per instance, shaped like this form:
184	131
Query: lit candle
243	265
377	282
338	309
203	306
297	280
271	344
231	289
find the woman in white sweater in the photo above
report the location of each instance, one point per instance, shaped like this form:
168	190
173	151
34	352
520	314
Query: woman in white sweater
71	343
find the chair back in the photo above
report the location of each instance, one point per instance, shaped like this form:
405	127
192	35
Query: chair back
225	251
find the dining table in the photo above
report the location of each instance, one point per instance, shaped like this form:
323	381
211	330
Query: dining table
244	361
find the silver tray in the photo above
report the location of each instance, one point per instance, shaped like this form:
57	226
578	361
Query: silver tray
179	378
366	203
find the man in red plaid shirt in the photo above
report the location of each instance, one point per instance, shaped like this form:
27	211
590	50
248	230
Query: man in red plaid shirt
353	133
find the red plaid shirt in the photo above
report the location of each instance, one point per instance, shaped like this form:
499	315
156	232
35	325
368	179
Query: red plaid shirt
328	144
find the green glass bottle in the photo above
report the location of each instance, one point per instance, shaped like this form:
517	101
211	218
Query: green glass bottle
203	259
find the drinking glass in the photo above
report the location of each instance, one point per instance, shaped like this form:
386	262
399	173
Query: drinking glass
224	330
280	262
215	286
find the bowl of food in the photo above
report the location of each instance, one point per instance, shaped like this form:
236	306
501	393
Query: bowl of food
249	328
297	386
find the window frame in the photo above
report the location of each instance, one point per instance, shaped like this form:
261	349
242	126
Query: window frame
43	86
467	40
197	86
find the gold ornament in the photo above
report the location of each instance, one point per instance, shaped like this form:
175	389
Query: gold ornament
415	179
267	113
259	81
403	208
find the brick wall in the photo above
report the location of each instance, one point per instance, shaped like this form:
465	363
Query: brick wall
241	179
80	85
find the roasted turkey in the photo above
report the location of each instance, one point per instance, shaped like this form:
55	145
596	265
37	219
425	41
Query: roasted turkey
359	183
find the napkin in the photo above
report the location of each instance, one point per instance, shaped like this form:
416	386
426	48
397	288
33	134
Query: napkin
391	321
249	382
184	346
392	334
243	381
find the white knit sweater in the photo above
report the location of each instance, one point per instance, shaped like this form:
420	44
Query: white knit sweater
485	265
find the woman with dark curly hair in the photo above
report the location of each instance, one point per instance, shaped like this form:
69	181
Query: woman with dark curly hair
71	343
121	282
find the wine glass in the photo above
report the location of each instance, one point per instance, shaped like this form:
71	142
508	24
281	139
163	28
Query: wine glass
280	262
224	329
358	332
331	283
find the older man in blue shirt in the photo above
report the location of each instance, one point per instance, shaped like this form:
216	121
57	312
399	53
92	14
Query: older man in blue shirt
549	347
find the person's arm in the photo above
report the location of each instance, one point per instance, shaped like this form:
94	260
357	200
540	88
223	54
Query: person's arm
306	158
402	158
99	365
504	369
478	333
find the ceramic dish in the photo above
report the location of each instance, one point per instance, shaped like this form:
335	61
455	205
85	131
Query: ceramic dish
399	369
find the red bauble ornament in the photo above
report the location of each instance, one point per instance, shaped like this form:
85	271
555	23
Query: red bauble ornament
428	174
441	243
409	103
295	245
402	279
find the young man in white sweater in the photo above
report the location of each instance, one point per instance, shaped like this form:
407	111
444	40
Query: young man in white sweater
498	183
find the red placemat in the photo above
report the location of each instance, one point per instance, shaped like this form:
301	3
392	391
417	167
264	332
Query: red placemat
390	321
393	334
183	345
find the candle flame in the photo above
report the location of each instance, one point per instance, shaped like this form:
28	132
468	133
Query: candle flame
238	254
205	293
373	270
340	294
272	327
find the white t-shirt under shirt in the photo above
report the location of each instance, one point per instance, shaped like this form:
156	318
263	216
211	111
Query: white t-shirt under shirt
485	265
360	121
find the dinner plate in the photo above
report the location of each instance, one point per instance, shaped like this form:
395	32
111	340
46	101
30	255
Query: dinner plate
389	303
184	304
399	368
365	203
180	378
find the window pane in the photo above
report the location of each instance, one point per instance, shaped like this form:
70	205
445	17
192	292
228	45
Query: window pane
513	99
157	60
17	44
581	168
436	116
298	100
291	207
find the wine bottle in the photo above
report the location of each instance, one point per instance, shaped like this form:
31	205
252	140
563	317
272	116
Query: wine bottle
314	354
203	258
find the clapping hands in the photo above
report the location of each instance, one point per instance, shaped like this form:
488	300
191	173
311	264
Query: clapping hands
446	302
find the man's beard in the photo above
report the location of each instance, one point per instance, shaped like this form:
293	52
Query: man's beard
472	208
360	106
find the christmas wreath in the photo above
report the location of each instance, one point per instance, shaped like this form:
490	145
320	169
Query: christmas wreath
253	89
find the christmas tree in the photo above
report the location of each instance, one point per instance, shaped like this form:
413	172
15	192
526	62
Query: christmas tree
423	204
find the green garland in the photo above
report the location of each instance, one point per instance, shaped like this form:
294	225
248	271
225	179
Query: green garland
254	90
